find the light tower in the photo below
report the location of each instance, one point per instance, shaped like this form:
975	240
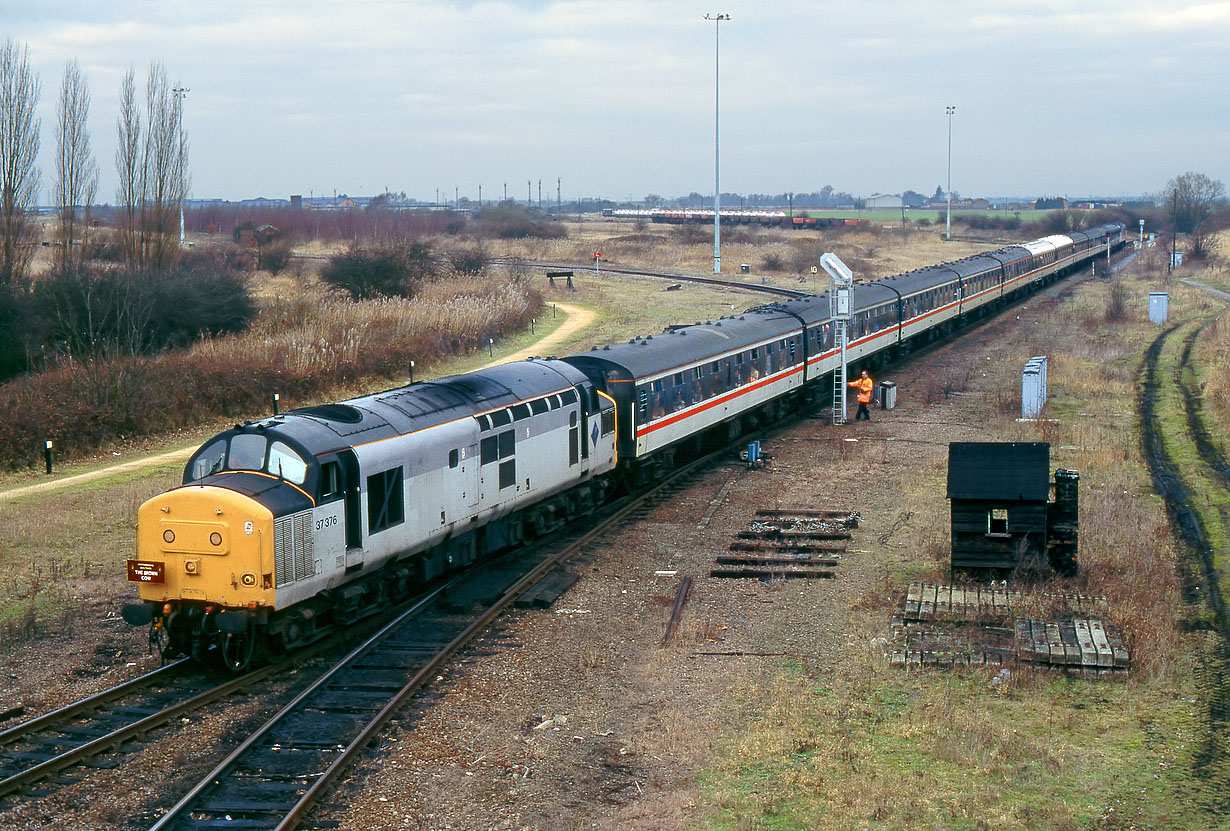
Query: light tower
948	222
717	190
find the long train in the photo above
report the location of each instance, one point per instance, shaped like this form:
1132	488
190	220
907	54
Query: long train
733	216
293	525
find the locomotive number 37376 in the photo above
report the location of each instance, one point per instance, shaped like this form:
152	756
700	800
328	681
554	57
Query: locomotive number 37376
325	522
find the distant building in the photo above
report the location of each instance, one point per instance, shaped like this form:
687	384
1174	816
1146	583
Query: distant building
883	200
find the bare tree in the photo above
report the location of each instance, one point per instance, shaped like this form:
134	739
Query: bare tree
76	170
128	166
1192	198
19	129
151	159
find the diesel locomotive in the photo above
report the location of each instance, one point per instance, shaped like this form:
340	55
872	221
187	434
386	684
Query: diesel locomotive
293	525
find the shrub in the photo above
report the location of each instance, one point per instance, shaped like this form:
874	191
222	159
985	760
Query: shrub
472	261
84	311
509	221
772	261
274	257
1116	302
694	233
384	272
85	404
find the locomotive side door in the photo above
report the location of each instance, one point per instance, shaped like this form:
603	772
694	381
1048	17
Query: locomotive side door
354	519
583	396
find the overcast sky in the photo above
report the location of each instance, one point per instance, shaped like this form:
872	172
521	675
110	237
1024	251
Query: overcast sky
616	97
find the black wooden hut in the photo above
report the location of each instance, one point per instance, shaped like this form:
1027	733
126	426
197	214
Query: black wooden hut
998	493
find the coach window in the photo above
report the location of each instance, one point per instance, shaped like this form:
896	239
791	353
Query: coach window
538	406
454	458
386	504
554	402
500	417
642	402
569	396
520	411
507	443
484	423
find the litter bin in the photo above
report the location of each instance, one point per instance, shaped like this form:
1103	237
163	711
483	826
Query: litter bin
888	395
745	268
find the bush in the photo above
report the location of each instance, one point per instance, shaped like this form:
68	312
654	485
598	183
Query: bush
772	261
472	261
297	352
509	221
694	233
82	311
384	272
274	257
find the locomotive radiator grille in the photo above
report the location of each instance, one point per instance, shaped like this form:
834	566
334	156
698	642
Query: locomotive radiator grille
292	548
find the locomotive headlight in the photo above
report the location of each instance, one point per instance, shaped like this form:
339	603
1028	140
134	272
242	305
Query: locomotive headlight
248	580
192	566
168	536
215	539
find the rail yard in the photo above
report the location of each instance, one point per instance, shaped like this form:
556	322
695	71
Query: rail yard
578	714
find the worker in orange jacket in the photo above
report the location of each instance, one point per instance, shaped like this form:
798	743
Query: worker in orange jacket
865	387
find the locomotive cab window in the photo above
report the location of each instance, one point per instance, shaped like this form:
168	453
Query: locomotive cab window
210	460
330	482
285	463
247	452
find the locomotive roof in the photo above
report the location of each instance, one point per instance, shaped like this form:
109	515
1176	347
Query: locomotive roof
422	405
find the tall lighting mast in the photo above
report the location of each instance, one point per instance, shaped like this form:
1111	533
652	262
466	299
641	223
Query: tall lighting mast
948	222
717	190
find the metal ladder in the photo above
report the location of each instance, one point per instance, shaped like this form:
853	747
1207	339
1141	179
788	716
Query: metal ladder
839	374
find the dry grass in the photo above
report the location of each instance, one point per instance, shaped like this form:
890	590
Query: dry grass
868	746
306	344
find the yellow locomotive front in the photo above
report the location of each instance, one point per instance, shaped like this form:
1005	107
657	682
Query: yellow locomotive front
204	567
207	559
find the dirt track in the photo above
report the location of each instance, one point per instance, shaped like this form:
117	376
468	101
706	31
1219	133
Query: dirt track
1213	757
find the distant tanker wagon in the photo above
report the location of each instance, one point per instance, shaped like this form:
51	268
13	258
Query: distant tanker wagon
292	526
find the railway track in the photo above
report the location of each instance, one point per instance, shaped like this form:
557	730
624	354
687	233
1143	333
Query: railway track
74	735
276	777
661	275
